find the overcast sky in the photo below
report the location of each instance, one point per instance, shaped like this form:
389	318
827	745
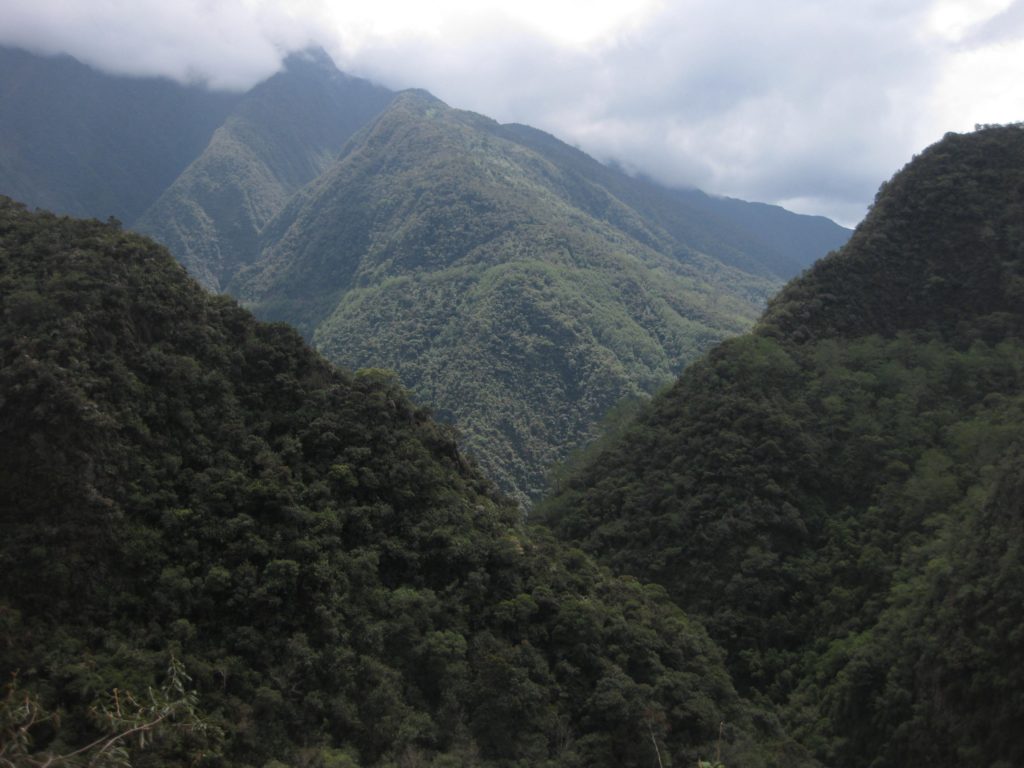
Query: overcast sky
807	103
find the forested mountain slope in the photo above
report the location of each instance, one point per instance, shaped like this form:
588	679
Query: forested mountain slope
180	481
85	143
512	290
837	495
519	287
760	239
282	134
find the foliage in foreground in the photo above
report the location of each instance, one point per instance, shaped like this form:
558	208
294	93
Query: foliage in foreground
342	586
125	722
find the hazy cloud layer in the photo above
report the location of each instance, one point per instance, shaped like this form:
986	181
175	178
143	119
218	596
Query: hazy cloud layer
810	103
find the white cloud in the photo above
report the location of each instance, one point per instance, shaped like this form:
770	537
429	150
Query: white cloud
227	43
955	19
810	103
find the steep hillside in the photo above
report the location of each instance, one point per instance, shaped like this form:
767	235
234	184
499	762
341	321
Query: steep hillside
939	252
837	495
760	239
511	289
518	286
82	142
281	135
182	482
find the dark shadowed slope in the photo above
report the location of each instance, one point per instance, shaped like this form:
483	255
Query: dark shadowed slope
517	285
82	142
344	589
837	494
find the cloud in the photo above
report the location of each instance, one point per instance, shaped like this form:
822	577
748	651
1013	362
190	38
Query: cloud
227	43
810	103
805	101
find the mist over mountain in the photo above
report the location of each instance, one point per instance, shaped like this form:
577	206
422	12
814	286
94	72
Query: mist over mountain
77	141
806	551
280	136
757	238
518	287
835	494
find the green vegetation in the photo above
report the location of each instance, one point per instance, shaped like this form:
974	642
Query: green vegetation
820	522
85	143
341	585
124	720
280	136
760	239
837	496
517	286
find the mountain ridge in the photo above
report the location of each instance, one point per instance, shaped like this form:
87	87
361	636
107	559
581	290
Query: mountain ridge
819	491
634	280
282	134
435	239
340	584
81	142
674	211
957	174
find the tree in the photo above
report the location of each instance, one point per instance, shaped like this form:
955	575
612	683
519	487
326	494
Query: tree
127	722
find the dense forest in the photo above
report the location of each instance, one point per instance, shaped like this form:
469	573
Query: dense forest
232	543
514	283
519	287
461	259
297	563
281	135
837	495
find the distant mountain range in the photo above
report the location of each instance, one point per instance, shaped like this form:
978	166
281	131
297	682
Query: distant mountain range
517	286
280	136
77	141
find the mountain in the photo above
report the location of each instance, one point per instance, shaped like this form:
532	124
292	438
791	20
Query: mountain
761	239
520	288
837	494
85	143
200	170
516	285
185	486
281	135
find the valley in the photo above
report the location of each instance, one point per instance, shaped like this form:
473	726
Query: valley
341	427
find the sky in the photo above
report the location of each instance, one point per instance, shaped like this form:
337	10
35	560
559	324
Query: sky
809	104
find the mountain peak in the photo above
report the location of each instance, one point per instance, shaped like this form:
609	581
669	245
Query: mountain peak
419	99
936	250
312	57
